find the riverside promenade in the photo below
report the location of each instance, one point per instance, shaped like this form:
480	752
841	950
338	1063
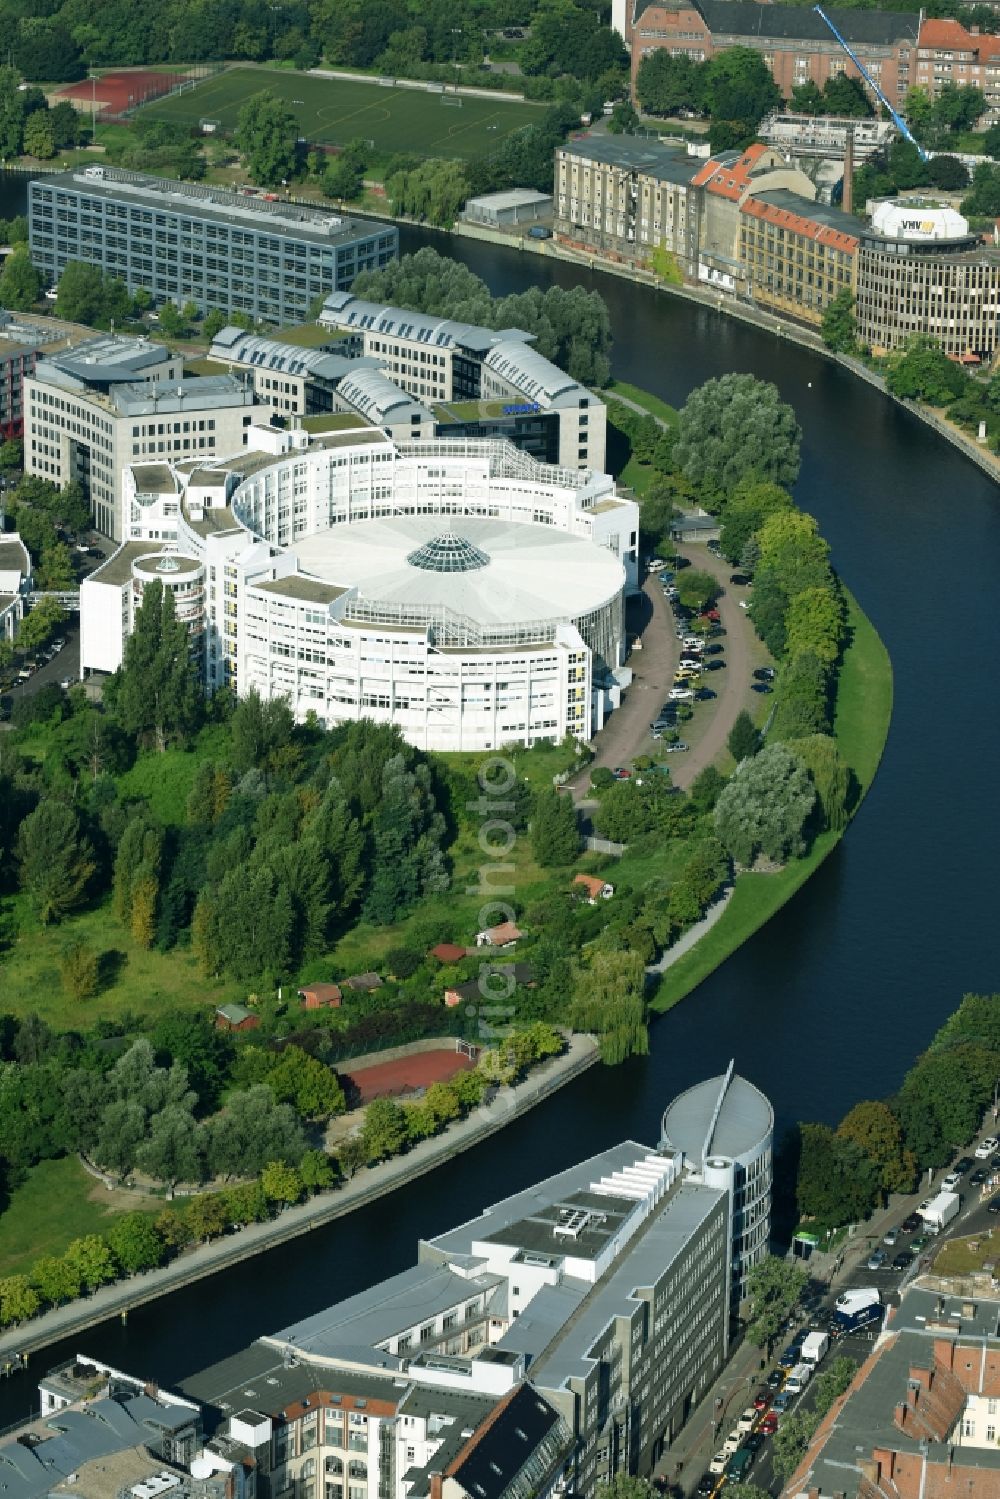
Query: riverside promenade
365	1186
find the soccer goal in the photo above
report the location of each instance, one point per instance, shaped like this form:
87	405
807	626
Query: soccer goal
452	100
467	1049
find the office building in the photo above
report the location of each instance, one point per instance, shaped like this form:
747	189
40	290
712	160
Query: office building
457	588
24	339
919	270
795	43
921	1418
15	576
478	382
184	242
105	403
725	1128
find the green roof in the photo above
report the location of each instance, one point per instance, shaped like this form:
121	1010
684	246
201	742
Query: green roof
333	421
469	411
312	335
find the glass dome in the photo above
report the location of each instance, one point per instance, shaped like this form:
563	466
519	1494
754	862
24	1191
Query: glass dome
448	553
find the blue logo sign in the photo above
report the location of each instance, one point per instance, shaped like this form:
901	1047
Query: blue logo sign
524	410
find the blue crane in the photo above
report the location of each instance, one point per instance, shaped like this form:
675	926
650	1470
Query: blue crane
897	119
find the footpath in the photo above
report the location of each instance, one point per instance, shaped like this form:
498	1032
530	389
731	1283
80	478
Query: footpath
365	1186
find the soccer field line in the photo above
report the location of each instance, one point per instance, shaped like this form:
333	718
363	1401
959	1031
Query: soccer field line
455	130
321	114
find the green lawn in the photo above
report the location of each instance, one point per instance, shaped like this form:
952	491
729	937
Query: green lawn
58	1203
861	724
645	399
333	111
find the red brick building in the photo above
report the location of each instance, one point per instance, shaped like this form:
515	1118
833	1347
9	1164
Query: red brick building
795	43
948	52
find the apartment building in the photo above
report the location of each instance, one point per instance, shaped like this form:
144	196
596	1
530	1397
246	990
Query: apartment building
922	1418
919	270
948	52
106	403
796	260
478	382
185	242
794	42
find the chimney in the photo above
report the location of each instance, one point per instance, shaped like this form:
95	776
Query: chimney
847	199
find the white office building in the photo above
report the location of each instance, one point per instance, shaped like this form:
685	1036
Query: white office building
456	588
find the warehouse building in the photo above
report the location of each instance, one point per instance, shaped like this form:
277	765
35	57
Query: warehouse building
185	242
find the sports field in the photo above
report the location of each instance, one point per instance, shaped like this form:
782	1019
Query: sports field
332	112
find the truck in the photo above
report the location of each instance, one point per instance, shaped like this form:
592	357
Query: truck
855	1309
938	1212
814	1346
798	1378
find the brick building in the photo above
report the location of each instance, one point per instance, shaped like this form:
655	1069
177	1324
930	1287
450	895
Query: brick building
949	52
795	43
796	257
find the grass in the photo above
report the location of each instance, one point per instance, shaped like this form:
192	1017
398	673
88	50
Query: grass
53	1207
645	399
312	335
963	1256
164	780
334	111
861	724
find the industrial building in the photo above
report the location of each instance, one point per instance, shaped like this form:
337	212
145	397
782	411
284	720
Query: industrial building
90	411
479	382
184	242
506	210
795	43
456	588
920	1420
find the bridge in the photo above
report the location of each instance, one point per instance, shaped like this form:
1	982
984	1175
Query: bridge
68	599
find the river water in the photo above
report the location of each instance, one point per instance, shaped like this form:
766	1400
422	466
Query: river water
835	997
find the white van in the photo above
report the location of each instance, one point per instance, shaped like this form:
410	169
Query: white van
798	1379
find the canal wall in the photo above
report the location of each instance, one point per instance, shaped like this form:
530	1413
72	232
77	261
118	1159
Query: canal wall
365	1186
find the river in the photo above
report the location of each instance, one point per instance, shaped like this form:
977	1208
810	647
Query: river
834	998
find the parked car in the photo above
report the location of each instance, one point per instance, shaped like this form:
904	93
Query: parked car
920	1242
986	1147
754	1442
680	694
621	774
764	673
977	1178
761	687
910	1223
877	1259
951	1181
705	693
676	749
714	649
744	604
890	1237
656	565
761	1401
781	1401
718	1462
66	683
993	1206
746	1421
715	665
707	1484
965	1164
740	579
776	1379
769	1425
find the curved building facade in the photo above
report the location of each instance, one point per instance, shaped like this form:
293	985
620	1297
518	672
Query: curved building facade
456	588
724	1128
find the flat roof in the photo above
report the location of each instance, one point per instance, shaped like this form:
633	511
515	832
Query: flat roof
118	568
202	393
261	1375
14	557
632	154
514	197
238	210
295	586
154	478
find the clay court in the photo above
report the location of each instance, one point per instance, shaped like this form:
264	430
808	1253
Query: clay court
404	1075
117	92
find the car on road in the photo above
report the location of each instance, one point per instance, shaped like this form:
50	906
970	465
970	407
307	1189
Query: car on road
993	1206
707	1484
986	1147
761	687
995	1163
951	1181
769	1425
718	1462
746	1421
740	579
621	774
776	1379
781	1401
965	1164
977	1178
676	749
910	1223
877	1259
789	1356
764	673
903	1260
761	1400
890	1236
680	694
920	1242
754	1442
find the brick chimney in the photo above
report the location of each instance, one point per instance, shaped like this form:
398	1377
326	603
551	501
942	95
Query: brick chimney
847	199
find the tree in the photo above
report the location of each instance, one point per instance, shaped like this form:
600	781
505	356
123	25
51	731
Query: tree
736	426
793	552
407	831
55	859
207	1216
696	589
839	326
765	806
745	512
844	95
803	707
836	1182
135	1243
773	1290
81	294
384	1131
20	283
44	49
11	113
66	124
306	1083
609	1000
174	1150
55	1279
281	1183
923	371
92	1261
664	84
317	1171
878	1134
156	690
947	173
18	1300
788	1446
258	730
39	136
266	134
831	775
433	191
79	969
814	622
744	738
252	1130
555	832
623	119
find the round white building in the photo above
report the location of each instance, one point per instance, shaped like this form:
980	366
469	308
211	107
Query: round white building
456	588
724	1127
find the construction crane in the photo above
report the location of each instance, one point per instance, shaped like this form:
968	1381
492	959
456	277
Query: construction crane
897	119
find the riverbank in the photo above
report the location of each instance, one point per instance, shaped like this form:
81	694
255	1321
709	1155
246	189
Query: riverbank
366	1186
861	728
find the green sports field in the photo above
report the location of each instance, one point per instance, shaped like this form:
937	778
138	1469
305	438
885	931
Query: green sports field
332	112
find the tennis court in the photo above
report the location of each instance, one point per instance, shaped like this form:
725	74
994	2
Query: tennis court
333	112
